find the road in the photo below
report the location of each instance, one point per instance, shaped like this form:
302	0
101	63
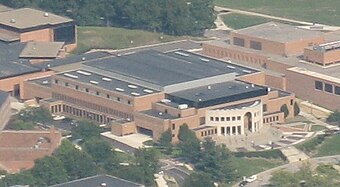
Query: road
264	177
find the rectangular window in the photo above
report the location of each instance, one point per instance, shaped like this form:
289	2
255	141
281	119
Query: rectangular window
233	118
291	102
239	118
108	96
328	88
202	120
228	118
173	126
129	103
97	93
318	85
87	90
66	84
256	45
222	118
264	108
238	41
118	99
217	119
56	81
337	90
77	87
211	118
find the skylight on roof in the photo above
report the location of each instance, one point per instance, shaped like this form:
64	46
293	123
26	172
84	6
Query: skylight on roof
135	93
120	89
148	91
181	54
132	86
94	82
84	73
106	79
71	76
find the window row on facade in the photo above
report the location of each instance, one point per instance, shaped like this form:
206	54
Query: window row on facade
253	44
329	88
270	119
208	132
93	92
234	118
241	57
93	106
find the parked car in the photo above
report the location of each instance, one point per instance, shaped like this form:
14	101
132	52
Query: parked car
251	178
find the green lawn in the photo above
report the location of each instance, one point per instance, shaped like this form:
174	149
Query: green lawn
316	128
319	11
251	166
239	21
329	147
117	38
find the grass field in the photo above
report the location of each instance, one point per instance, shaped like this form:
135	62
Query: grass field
250	166
319	11
329	147
239	21
116	38
316	128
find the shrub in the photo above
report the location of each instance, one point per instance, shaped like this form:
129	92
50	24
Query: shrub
310	145
274	153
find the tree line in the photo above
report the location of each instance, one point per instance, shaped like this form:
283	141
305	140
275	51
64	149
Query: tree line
180	17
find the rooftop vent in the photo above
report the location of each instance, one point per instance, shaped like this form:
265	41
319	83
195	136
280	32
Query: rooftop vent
12	20
135	93
147	91
71	76
83	58
94	82
204	60
132	86
165	100
160	113
252	85
268	89
120	89
46	14
246	71
209	87
106	79
182	106
103	184
84	73
48	65
181	54
45	81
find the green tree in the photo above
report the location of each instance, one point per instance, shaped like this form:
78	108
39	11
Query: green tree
22	178
285	110
147	164
99	149
165	141
296	109
189	143
334	117
198	179
78	164
49	170
85	130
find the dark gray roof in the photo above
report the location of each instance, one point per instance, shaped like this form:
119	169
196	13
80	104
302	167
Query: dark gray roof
107	83
96	181
165	69
217	94
3	97
73	59
158	114
45	81
10	64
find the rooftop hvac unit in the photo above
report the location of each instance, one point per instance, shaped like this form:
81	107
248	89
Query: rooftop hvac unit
165	101
182	106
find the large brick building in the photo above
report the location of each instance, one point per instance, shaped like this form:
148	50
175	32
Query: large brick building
304	62
150	92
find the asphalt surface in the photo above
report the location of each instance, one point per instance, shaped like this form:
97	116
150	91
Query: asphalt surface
178	174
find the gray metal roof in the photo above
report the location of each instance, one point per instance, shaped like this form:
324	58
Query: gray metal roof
73	59
279	32
45	81
3	97
107	83
217	91
10	64
27	18
165	69
99	180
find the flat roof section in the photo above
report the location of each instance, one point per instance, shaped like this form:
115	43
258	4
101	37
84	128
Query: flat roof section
217	94
3	97
107	83
4	8
10	64
164	69
8	37
41	50
158	114
45	81
24	18
72	60
99	180
278	32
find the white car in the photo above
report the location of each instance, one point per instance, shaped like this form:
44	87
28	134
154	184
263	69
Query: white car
251	178
58	118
